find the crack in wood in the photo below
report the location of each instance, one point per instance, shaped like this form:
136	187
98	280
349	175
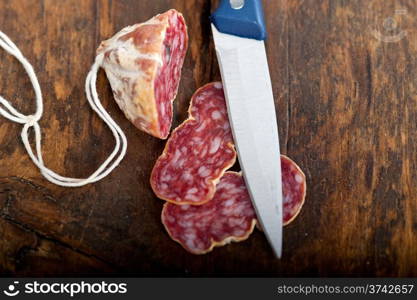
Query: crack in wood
369	75
287	136
45	192
38	235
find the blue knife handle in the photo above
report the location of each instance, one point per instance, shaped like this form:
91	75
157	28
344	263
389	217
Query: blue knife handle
247	21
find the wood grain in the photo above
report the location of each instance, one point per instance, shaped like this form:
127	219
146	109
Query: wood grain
347	108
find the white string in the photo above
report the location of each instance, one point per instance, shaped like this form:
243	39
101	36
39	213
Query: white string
9	112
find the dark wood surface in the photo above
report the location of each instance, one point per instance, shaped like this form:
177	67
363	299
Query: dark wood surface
347	107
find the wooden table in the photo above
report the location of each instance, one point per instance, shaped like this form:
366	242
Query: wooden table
344	79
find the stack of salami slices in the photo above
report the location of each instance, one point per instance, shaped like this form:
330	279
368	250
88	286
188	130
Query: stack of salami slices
208	206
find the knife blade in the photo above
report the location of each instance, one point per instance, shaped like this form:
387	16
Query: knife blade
238	36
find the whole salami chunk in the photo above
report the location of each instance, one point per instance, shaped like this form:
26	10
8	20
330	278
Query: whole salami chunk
143	64
229	216
198	152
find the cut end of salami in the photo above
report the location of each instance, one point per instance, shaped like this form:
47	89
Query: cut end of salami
143	64
229	216
198	152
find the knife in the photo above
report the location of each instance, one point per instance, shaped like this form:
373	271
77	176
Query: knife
239	32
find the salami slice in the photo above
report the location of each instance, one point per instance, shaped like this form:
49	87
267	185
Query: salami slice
143	64
198	152
229	216
294	189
